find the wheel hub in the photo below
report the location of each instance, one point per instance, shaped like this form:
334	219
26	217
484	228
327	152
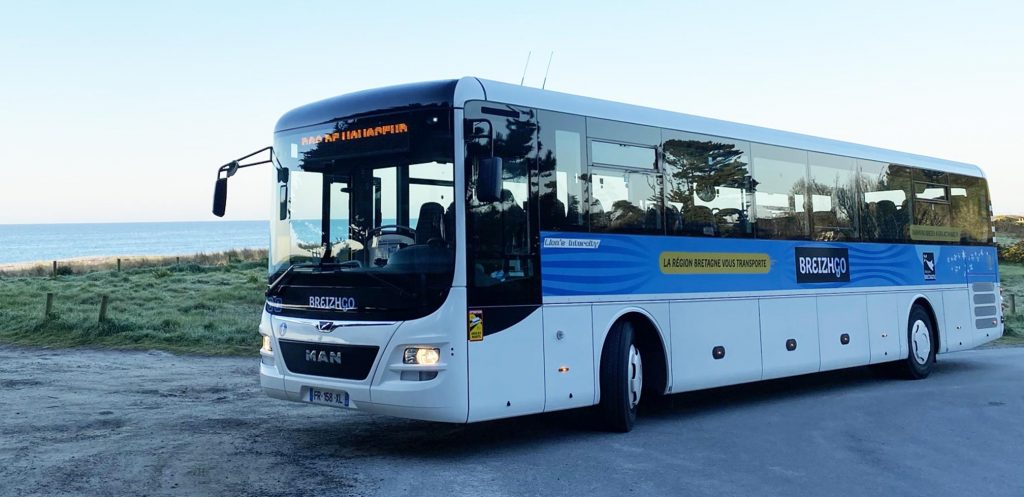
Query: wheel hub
921	342
635	376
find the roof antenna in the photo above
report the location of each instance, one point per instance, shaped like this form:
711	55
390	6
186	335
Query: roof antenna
545	83
526	67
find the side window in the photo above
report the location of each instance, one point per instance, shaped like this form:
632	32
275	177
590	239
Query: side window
833	195
968	200
707	185
503	266
625	201
930	208
561	178
620	154
624	184
780	182
885	201
931	205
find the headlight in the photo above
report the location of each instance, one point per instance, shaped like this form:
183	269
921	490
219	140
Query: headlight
421	355
267	345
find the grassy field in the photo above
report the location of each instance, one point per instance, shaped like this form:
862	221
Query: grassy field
188	307
1011	277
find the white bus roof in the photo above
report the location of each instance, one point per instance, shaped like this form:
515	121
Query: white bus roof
574	104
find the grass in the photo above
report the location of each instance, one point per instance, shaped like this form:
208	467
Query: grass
92	264
1011	278
209	309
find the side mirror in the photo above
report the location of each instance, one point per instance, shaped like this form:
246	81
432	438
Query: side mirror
488	182
283	207
220	196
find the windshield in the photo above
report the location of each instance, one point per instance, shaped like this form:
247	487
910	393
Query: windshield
372	216
368	236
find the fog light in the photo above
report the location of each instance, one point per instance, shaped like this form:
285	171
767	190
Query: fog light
421	355
267	345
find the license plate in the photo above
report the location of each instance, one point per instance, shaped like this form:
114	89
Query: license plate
327	397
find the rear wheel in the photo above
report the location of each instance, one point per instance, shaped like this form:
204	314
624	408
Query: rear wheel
622	378
920	334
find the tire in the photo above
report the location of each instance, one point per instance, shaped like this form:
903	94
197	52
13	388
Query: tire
921	345
621	379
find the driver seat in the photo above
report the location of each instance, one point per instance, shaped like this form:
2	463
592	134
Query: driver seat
429	224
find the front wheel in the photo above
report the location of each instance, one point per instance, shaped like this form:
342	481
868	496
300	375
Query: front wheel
622	378
918	363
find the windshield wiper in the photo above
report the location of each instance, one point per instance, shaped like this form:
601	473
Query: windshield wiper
401	291
286	276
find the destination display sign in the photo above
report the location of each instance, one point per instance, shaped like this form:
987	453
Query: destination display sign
355	134
934	233
346	139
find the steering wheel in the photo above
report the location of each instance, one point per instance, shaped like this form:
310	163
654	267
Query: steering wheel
398	230
386	239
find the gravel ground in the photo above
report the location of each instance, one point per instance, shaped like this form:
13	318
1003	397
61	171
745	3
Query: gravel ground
85	422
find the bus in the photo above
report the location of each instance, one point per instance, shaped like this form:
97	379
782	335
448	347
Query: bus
469	250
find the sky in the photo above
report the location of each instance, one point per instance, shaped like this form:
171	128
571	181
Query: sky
122	111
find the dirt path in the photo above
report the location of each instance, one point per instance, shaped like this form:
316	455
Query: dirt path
84	422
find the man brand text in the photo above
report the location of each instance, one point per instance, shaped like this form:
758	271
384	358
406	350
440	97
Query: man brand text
822	265
337	303
322	356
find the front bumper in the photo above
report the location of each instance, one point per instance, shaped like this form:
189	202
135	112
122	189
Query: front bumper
391	387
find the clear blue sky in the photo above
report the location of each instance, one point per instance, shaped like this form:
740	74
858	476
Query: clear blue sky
121	111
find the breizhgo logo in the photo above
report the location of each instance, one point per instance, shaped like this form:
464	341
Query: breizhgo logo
928	261
822	265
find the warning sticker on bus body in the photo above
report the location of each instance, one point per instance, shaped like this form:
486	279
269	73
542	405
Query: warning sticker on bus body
476	325
714	263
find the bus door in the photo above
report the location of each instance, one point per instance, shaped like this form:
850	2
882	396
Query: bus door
506	352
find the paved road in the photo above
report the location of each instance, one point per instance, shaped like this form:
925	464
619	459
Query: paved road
81	422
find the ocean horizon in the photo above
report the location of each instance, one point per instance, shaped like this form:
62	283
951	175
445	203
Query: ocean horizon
61	241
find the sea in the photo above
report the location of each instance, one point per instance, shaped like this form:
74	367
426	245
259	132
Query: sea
48	242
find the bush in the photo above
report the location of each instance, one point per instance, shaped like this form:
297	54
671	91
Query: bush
1012	253
64	271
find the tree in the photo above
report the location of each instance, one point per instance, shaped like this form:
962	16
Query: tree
700	166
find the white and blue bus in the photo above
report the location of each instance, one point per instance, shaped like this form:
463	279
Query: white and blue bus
468	250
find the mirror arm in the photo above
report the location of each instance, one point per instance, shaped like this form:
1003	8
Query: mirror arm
220	192
229	169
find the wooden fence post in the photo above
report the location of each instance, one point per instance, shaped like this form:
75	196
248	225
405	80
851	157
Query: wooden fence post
54	269
1013	304
103	308
49	304
177	260
119	264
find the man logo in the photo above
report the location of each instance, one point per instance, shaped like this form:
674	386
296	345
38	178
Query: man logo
322	356
326	326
